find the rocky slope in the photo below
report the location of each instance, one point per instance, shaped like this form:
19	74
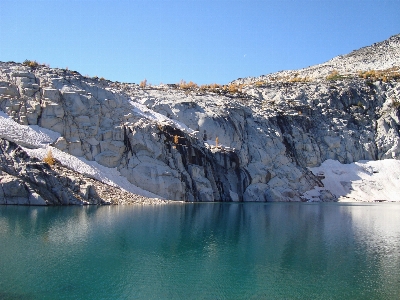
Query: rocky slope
29	181
384	55
253	140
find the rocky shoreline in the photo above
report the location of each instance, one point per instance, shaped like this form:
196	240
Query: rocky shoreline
28	181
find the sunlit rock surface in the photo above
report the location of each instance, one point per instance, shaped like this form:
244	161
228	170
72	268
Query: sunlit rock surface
253	143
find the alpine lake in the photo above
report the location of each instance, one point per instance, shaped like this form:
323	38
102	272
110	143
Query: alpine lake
201	251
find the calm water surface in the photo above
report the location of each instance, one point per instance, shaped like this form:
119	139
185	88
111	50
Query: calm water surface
201	251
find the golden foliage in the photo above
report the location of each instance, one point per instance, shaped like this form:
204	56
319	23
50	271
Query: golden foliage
260	83
213	87
49	159
235	88
188	86
299	79
143	83
31	63
334	75
176	139
382	75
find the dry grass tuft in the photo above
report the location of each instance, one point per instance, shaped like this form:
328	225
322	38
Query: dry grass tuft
381	75
31	63
143	83
188	85
334	75
49	159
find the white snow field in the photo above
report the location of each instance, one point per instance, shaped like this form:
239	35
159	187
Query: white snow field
359	181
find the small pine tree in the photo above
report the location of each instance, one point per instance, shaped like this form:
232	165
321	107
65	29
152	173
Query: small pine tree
143	83
49	159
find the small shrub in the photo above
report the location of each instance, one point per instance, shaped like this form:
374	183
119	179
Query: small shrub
203	87
234	88
31	63
188	86
381	75
213	87
261	83
299	79
143	83
334	75
49	159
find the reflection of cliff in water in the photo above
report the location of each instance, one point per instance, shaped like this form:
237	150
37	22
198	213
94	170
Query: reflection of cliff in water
353	245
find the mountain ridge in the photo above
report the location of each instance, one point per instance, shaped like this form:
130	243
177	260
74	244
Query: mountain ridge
380	56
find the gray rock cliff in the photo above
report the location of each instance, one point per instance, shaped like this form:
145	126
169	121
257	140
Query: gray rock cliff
250	141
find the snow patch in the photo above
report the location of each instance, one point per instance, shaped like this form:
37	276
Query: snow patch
31	136
149	114
359	181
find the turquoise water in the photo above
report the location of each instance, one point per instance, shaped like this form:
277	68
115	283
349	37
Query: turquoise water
201	251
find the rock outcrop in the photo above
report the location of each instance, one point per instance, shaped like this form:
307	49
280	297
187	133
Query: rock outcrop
28	181
254	143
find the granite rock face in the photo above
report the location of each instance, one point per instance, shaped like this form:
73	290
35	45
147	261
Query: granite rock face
26	181
215	145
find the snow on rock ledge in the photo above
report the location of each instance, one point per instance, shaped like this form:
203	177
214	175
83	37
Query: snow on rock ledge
359	181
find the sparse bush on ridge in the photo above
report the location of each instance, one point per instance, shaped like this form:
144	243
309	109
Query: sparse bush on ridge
188	86
214	87
49	159
31	63
234	88
143	83
334	75
260	83
299	79
34	64
284	79
381	75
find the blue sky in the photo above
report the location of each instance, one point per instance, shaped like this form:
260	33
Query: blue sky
201	41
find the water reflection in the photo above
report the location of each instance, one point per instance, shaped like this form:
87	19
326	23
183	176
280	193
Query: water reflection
215	250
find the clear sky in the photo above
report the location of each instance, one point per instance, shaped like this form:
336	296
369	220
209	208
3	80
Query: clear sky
204	41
